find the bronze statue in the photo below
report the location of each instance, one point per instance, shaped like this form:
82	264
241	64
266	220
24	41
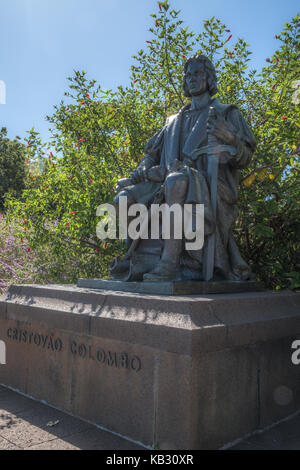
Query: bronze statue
195	158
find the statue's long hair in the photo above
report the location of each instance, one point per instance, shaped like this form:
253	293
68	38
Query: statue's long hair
208	68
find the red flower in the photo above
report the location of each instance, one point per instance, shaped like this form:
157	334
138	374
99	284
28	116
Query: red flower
91	181
67	224
229	37
46	187
149	42
183	56
181	47
71	177
276	37
28	143
28	250
134	81
72	213
67	109
267	59
89	158
227	30
25	221
82	103
284	118
273	87
157	22
88	95
159	4
97	250
80	140
26	160
105	245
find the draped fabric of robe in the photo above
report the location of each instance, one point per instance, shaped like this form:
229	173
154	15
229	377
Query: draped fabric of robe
182	134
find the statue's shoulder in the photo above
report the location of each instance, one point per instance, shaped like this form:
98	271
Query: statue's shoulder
223	108
174	117
232	112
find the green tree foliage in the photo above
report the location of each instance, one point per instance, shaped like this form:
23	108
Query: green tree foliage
98	136
12	166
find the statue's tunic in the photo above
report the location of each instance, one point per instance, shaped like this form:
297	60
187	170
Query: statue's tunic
182	134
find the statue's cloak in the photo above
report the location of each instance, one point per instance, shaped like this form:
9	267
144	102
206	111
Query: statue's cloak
182	134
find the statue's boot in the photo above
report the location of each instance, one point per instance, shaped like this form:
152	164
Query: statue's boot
167	269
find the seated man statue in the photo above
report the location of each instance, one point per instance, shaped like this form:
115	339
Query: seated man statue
177	163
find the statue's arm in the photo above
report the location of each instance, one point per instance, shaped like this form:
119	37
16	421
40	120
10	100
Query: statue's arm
244	140
150	161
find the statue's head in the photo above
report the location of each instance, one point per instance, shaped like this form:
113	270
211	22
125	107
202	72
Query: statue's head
199	76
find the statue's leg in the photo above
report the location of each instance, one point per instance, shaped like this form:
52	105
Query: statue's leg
130	200
175	192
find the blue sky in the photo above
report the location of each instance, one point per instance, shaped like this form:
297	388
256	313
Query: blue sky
43	41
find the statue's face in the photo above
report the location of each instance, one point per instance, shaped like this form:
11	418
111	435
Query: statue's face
196	78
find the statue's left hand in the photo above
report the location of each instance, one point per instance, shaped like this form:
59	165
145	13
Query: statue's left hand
222	130
138	175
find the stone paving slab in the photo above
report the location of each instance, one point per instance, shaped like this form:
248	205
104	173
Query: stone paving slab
283	436
24	426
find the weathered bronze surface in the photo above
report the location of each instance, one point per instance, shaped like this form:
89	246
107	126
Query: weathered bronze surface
194	159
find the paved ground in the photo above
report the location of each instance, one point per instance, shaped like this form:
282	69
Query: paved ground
26	424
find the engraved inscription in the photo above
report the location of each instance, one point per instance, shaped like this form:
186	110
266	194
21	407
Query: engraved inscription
43	341
112	359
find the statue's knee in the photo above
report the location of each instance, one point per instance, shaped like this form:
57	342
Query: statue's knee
121	194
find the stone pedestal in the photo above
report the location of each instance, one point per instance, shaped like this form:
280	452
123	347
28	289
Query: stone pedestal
184	372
